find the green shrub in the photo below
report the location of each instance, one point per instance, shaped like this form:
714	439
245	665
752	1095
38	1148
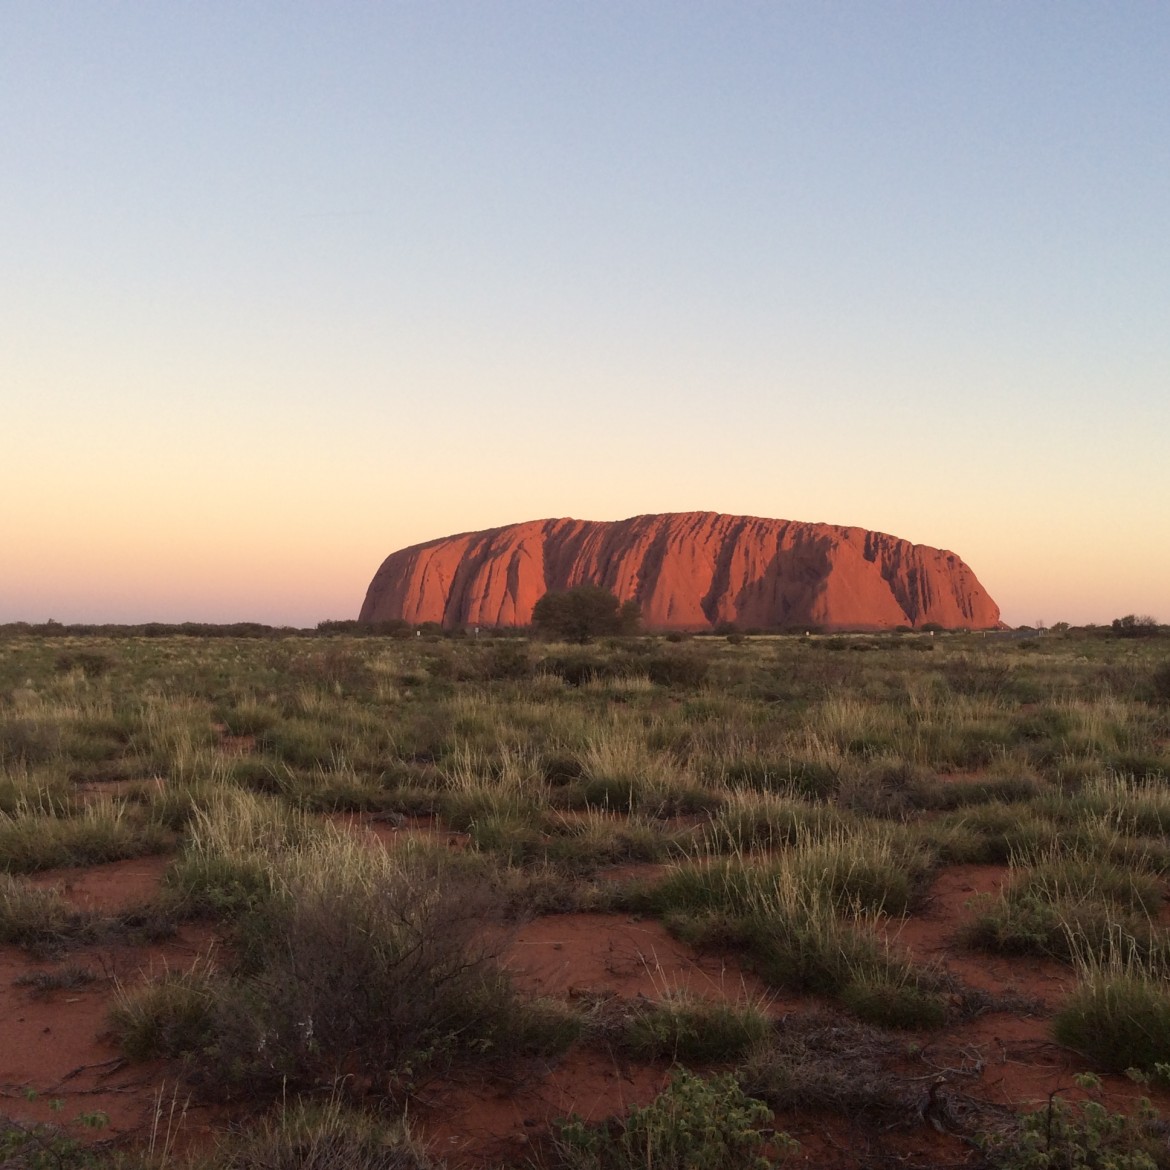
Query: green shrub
353	961
583	613
1082	1136
677	669
694	1124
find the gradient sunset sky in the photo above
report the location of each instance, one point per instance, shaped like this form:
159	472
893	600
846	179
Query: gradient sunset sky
285	287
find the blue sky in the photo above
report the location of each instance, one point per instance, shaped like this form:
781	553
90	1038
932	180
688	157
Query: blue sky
286	287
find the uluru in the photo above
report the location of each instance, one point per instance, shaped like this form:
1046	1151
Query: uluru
688	571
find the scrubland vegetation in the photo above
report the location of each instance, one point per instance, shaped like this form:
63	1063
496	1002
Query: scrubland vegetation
784	802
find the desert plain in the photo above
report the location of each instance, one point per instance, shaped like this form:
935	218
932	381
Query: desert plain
838	901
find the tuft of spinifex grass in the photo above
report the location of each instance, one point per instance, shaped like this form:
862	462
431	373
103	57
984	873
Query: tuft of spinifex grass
1119	1013
868	868
751	820
314	1135
103	831
802	922
681	1027
226	863
37	917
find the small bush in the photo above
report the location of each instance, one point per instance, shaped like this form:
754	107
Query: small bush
694	1124
91	663
43	1147
1083	1136
353	962
682	670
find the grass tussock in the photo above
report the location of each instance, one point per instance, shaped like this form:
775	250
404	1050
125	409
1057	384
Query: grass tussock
1119	1013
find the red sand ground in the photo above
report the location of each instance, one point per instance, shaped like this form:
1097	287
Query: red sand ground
55	1049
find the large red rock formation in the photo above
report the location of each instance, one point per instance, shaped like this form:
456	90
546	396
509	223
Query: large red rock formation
687	571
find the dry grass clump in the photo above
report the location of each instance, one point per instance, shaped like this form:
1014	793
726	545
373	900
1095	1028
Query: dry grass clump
1059	902
102	831
680	1027
804	919
822	1060
37	917
311	1135
1119	1013
225	866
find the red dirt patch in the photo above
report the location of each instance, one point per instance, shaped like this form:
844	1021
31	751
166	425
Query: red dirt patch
108	888
571	954
56	1047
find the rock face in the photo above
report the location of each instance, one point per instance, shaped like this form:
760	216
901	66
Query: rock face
687	571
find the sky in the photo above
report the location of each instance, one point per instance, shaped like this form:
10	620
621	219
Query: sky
285	287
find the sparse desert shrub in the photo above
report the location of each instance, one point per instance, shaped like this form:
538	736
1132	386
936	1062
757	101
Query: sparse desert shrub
44	1147
677	669
1082	1136
363	962
507	661
694	1124
969	677
91	663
